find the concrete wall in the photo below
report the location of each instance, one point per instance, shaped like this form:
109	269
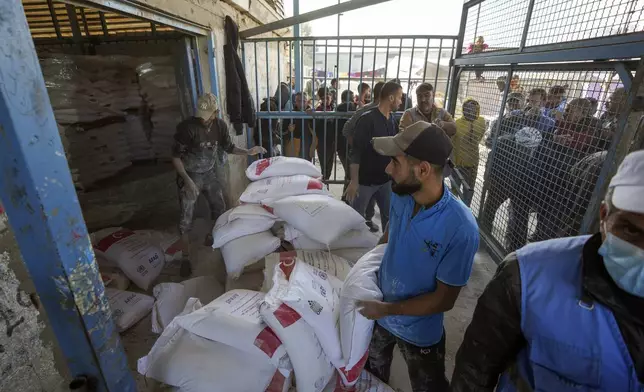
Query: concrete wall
28	351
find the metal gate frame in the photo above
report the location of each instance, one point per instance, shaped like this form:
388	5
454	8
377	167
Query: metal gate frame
447	43
588	54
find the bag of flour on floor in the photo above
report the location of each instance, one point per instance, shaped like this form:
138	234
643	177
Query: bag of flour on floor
319	217
127	307
280	187
170	243
226	230
234	319
355	330
195	364
171	298
140	260
312	367
314	295
323	260
246	250
281	166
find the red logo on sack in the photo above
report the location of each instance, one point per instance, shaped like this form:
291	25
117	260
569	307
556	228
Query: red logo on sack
352	374
267	208
286	315
287	262
314	184
174	248
262	165
267	341
277	382
339	387
104	244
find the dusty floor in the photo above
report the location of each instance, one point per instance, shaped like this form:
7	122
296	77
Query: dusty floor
139	339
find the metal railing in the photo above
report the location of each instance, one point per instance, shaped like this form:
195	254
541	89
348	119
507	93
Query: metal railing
305	64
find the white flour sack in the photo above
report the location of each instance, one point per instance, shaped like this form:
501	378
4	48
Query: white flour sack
280	187
226	231
249	211
323	260
195	364
312	367
355	329
281	166
140	260
171	298
234	319
128	307
319	217
361	238
314	294
168	242
247	250
366	382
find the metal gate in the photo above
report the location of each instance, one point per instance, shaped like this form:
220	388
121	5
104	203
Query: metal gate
356	64
556	84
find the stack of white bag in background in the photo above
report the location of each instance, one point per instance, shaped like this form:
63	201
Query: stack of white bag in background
286	190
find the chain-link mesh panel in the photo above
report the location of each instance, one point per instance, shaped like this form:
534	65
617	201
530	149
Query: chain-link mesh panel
555	21
540	160
499	22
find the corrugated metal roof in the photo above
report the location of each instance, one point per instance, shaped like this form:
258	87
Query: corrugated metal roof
43	16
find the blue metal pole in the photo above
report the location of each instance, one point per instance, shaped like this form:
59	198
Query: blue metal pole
37	192
297	48
212	63
191	72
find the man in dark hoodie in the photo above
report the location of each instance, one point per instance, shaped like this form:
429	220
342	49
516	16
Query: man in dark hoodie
268	132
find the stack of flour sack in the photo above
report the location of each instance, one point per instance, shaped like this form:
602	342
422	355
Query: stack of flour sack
303	331
286	201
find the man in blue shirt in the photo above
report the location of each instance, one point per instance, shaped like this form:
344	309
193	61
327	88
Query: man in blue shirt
432	239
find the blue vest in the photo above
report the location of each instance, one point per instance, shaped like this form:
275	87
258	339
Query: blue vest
571	345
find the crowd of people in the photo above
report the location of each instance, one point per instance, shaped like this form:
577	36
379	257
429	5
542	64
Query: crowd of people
540	162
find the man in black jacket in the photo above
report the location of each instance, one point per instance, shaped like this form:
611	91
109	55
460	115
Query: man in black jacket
566	314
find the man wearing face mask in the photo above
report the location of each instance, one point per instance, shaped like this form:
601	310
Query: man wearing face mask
427	111
432	239
566	314
194	156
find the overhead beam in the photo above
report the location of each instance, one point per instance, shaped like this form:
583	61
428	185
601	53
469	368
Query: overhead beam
612	47
309	16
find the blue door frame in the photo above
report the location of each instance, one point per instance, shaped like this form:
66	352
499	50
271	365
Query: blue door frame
38	194
39	198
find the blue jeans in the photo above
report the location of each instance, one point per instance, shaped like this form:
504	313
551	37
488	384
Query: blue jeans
382	196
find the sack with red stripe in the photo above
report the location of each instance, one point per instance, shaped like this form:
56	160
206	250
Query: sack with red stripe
139	259
234	319
281	166
282	186
195	364
355	330
323	260
311	365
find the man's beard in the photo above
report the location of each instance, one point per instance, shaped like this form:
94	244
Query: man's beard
406	188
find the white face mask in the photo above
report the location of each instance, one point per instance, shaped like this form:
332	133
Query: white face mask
624	263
